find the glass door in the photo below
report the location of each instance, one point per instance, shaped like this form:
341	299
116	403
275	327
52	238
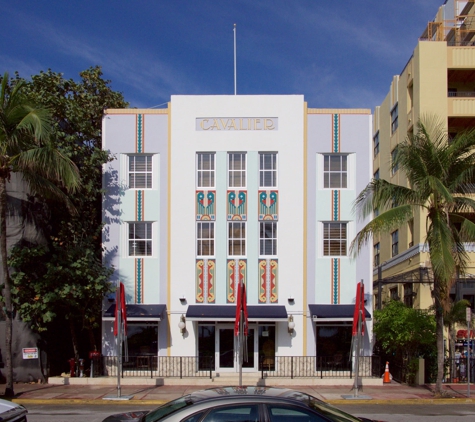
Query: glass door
226	360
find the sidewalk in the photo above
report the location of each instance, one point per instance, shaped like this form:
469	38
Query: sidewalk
156	395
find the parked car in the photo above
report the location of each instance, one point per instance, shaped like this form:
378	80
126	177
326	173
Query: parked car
12	412
241	404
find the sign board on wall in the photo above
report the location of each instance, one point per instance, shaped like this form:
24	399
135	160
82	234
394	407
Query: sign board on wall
30	353
236	123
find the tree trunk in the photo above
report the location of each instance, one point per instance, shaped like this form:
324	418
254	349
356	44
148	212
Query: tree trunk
439	329
8	310
74	339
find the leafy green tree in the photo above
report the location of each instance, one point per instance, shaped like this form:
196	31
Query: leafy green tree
404	332
440	182
73	281
26	148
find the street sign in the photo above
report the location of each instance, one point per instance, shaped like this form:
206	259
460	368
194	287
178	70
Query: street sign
30	353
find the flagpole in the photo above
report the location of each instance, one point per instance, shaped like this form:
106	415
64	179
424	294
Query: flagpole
235	72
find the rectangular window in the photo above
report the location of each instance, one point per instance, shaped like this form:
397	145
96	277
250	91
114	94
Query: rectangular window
140	171
335	171
236	238
205	238
334	239
394	118
205	170
395	242
408	295
393	293
140	239
267	170
376	175
377	250
268	238
376	143
394	166
236	170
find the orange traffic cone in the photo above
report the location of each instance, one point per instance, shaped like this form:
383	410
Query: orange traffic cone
387	377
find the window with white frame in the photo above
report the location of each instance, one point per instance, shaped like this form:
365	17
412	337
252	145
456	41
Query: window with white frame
205	169
334	239
205	238
394	118
236	238
236	170
140	239
268	238
335	171
140	171
267	170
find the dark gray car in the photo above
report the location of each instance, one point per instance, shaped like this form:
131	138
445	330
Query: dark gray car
12	412
241	404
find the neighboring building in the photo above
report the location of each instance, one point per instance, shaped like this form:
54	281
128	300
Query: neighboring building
215	189
439	79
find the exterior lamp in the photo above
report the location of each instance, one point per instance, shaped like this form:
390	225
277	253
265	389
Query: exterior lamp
182	324
291	325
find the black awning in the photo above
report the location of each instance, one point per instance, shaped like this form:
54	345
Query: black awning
137	312
334	312
228	312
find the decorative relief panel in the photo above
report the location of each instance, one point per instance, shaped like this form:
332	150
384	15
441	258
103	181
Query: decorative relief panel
139	263
205	280
268	205
268	280
335	290
236	272
205	205
237	205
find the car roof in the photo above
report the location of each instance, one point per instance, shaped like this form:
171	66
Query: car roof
250	392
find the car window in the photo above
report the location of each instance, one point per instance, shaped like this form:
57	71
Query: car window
240	413
195	418
167	409
279	413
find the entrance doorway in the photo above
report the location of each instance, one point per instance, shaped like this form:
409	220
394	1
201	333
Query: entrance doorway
226	359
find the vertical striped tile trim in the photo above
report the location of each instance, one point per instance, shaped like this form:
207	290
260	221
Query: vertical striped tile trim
139	205
139	280
139	123
336	205
336	133
335	291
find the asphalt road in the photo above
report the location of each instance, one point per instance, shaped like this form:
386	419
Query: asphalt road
384	412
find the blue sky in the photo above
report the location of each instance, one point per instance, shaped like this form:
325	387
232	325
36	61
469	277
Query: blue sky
337	53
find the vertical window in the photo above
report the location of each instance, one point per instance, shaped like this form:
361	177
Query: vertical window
395	242
376	175
267	170
268	238
410	226
394	118
335	171
394	165
334	239
376	143
236	238
377	250
408	295
205	170
393	293
140	239
205	238
236	170
140	171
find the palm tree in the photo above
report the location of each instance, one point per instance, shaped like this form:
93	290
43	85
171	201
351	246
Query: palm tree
440	183
26	148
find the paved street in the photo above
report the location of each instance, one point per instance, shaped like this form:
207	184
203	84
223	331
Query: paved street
390	413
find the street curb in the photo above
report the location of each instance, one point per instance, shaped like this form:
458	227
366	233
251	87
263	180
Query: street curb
335	402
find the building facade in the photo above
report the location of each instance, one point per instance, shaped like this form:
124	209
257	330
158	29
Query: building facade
215	190
438	80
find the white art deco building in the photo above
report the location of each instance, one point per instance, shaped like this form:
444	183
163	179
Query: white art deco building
213	190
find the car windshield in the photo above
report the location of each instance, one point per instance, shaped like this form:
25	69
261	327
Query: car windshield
333	413
167	409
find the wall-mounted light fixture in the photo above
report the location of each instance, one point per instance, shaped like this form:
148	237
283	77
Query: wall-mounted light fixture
183	300
291	300
291	325
182	324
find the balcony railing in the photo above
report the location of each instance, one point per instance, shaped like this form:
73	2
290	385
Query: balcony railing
463	94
